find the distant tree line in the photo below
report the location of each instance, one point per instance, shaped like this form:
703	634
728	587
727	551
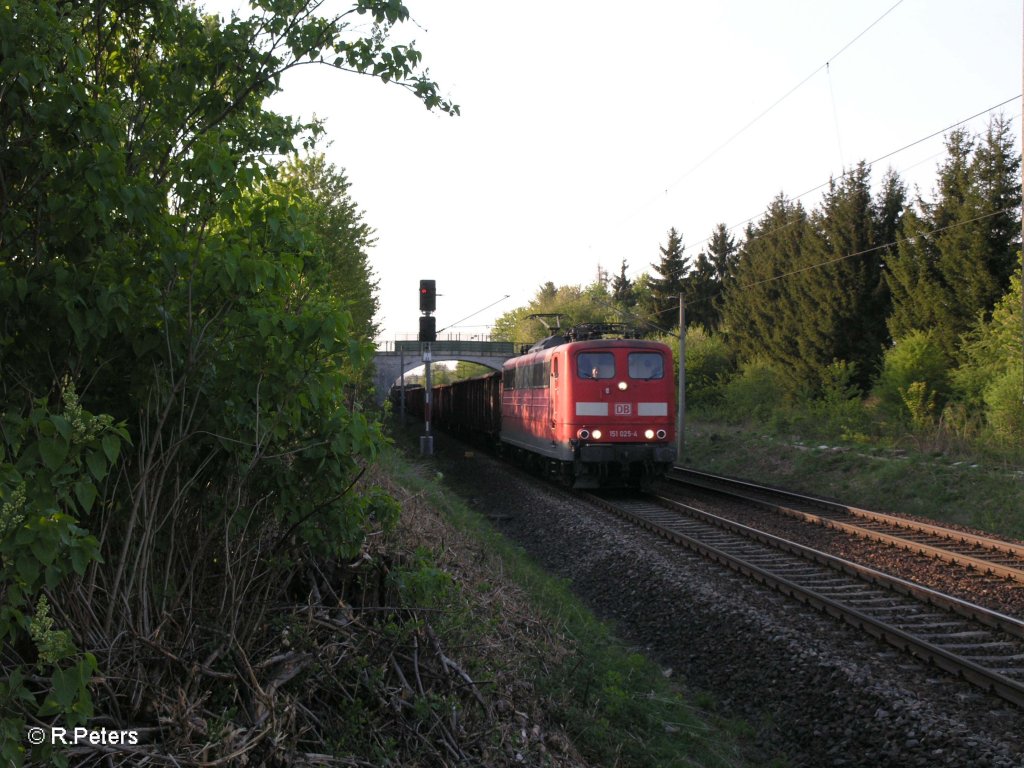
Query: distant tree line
839	295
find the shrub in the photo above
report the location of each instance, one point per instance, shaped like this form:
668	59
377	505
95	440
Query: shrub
989	380
839	409
1004	408
709	362
754	394
53	466
914	381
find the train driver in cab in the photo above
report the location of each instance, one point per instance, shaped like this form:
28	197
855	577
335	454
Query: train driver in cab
595	366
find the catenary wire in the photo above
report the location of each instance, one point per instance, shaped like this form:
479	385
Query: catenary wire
870	165
781	99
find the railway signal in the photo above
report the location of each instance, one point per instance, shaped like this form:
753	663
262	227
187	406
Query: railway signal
428	303
428	295
428	328
428	334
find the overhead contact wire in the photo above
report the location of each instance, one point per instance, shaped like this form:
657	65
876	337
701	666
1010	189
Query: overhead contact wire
781	99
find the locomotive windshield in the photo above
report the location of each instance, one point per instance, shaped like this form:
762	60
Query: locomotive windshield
645	365
595	365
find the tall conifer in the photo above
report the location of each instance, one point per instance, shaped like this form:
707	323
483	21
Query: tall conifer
917	289
843	308
759	316
704	284
957	252
622	288
671	271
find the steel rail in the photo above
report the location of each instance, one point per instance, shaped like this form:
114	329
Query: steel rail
988	679
714	483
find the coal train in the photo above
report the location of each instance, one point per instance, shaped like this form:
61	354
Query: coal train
594	411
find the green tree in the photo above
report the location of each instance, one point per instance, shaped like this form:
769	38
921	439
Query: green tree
991	378
150	259
761	318
669	279
889	207
547	295
622	289
842	295
958	251
807	292
575	304
468	370
337	259
709	364
995	196
722	250
644	314
705	284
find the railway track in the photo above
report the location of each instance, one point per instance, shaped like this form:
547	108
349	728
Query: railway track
984	555
974	643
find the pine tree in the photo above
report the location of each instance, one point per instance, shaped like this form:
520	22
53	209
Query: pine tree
839	294
996	196
760	319
705	283
622	289
958	252
722	250
547	294
671	271
918	292
888	211
700	291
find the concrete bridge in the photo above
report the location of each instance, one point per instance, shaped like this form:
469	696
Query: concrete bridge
399	357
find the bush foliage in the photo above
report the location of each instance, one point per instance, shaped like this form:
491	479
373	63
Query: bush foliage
914	381
161	268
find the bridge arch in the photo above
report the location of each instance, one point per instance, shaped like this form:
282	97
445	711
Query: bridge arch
407	355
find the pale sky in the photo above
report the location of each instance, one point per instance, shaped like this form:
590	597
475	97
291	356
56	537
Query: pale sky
588	129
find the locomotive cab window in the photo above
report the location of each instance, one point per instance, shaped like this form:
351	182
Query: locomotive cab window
595	365
646	366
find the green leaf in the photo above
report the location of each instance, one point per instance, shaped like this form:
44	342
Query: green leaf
44	547
65	686
85	492
62	425
97	464
80	559
28	567
111	447
53	451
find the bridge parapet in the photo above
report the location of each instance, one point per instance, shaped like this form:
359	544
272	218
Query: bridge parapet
503	349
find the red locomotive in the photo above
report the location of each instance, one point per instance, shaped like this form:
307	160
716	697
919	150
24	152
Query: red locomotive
595	411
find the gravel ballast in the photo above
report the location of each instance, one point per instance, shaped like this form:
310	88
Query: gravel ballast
817	692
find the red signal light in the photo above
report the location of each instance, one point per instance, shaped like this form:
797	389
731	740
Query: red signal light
428	295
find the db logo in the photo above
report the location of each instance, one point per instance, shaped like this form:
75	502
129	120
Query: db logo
623	409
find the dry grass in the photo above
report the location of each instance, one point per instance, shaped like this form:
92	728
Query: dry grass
415	653
492	621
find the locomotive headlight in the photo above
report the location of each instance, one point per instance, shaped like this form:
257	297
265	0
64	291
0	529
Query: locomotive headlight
623	386
596	434
662	434
649	434
584	434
